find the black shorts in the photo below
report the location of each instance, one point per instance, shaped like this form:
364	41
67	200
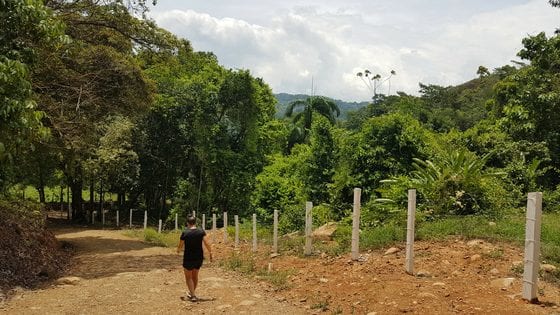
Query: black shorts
192	264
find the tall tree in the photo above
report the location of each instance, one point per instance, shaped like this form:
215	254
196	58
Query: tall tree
27	27
527	103
95	77
303	118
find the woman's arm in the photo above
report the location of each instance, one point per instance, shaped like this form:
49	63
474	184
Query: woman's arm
180	246
208	247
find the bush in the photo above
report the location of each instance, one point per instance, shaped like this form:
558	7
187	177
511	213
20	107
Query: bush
322	214
292	219
551	200
457	184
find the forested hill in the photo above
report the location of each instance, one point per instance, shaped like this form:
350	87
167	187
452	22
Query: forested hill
285	98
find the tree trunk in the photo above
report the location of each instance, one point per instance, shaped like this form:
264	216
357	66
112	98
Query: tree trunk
41	191
61	198
78	212
91	195
121	200
100	214
41	188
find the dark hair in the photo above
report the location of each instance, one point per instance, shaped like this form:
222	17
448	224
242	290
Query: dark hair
191	220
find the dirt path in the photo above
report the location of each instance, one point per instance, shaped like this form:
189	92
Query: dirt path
122	275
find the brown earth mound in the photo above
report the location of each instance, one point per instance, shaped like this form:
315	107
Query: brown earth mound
29	254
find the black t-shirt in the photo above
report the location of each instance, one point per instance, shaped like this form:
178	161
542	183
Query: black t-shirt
193	244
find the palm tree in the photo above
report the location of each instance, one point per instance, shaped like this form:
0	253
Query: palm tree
302	119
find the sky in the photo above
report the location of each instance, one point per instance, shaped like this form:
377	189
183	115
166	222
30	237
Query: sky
294	45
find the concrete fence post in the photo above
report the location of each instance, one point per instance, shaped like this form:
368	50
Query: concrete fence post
213	222
159	226
176	221
225	226
308	227
275	233
130	219
356	224
145	219
254	232
532	246
203	222
236	219
117	218
409	260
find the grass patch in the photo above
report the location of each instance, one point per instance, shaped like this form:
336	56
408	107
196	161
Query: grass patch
239	263
278	279
292	245
495	254
322	306
152	237
247	266
264	233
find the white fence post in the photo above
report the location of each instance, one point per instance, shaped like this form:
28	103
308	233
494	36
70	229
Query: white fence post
409	260
356	224
213	222
176	221
532	246
117	218
236	219
254	232
275	233
159	226
225	226
145	219
308	227
194	214
130	219
203	222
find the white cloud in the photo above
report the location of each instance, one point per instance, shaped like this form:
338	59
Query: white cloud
290	44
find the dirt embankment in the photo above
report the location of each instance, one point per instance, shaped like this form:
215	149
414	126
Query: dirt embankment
29	253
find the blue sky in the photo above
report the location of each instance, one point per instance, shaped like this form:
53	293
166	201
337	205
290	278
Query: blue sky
289	42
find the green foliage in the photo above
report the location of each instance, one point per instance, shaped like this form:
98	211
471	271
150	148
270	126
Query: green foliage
551	200
527	102
28	26
384	147
322	214
118	162
457	183
390	208
319	168
152	237
302	120
279	187
239	263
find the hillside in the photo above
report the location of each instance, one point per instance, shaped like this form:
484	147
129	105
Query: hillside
285	98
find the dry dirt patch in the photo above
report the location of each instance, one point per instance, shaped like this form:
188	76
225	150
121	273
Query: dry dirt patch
117	274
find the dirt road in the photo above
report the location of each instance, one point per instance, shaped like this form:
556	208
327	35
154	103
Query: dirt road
120	275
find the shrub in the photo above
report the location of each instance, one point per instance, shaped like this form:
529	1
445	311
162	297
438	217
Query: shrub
458	184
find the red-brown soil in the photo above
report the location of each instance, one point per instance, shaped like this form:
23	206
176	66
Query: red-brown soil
123	275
